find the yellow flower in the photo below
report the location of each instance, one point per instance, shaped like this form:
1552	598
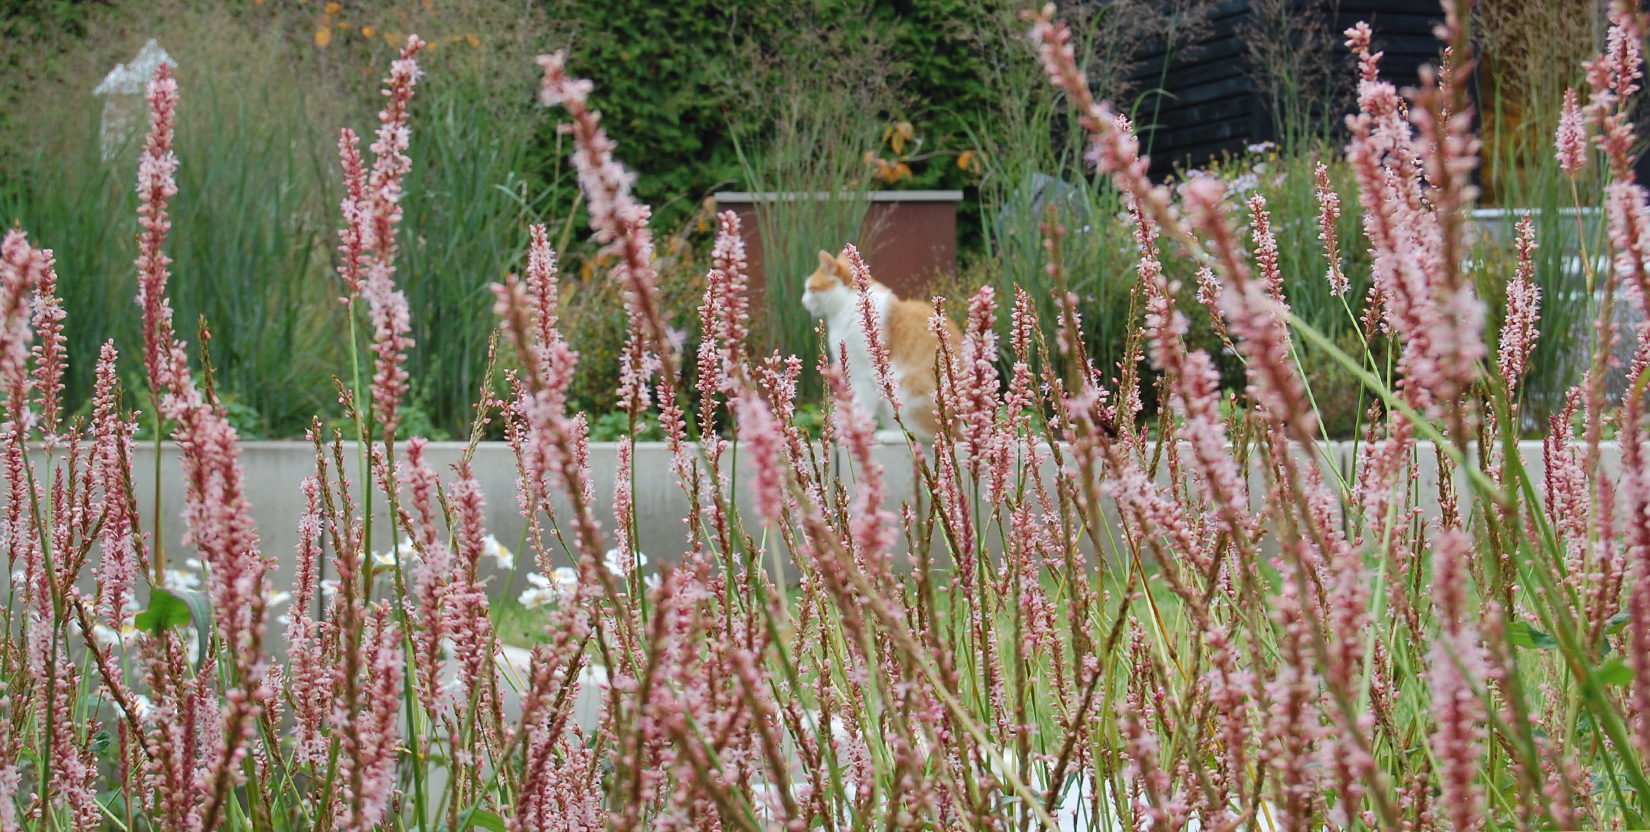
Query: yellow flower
368	31
474	41
898	135
323	36
334	8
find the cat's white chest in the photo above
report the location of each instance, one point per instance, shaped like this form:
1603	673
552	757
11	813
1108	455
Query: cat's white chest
846	331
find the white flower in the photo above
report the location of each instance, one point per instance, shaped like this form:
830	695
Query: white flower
195	564
1245	183
619	565
1262	147
177	579
104	637
539	594
275	599
192	644
504	557
1192	175
652	582
559	586
567	580
406	549
142	705
329	587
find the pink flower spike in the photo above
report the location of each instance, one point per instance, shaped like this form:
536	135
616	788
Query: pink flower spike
308	677
1571	139
728	255
871	532
155	186
372	214
51	354
22	267
120	545
372	744
620	223
766	449
1518	332
1329	212
1456	671
876	340
355	237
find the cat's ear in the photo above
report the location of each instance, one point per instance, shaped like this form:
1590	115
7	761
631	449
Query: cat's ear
826	261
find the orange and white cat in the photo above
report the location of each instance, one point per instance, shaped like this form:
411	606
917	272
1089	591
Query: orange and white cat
832	295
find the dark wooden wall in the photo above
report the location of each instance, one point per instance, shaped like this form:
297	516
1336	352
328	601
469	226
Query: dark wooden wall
1212	105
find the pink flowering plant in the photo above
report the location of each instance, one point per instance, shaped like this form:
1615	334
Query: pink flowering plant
1078	619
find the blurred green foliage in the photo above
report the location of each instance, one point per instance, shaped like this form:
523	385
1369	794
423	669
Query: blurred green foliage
683	88
675	82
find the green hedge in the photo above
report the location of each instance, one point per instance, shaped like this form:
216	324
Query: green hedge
672	82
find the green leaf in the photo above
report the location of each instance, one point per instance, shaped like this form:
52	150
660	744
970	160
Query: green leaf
480	818
1613	672
1615	623
165	611
175	608
1523	635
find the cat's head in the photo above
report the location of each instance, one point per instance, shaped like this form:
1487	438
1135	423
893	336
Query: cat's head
831	287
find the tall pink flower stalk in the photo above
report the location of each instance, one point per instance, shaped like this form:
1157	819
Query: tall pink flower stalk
1570	140
619	221
372	741
217	513
308	679
155	185
1436	319
1329	213
1519	331
1193	385
372	215
1456	670
22	267
50	354
122	549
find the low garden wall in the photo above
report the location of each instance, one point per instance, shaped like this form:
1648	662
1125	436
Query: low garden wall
276	469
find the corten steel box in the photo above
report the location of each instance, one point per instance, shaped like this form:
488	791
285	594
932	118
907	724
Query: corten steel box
908	237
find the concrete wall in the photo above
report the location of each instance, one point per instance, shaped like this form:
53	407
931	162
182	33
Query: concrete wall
276	469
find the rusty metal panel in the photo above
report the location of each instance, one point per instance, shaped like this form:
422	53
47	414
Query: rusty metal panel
908	238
